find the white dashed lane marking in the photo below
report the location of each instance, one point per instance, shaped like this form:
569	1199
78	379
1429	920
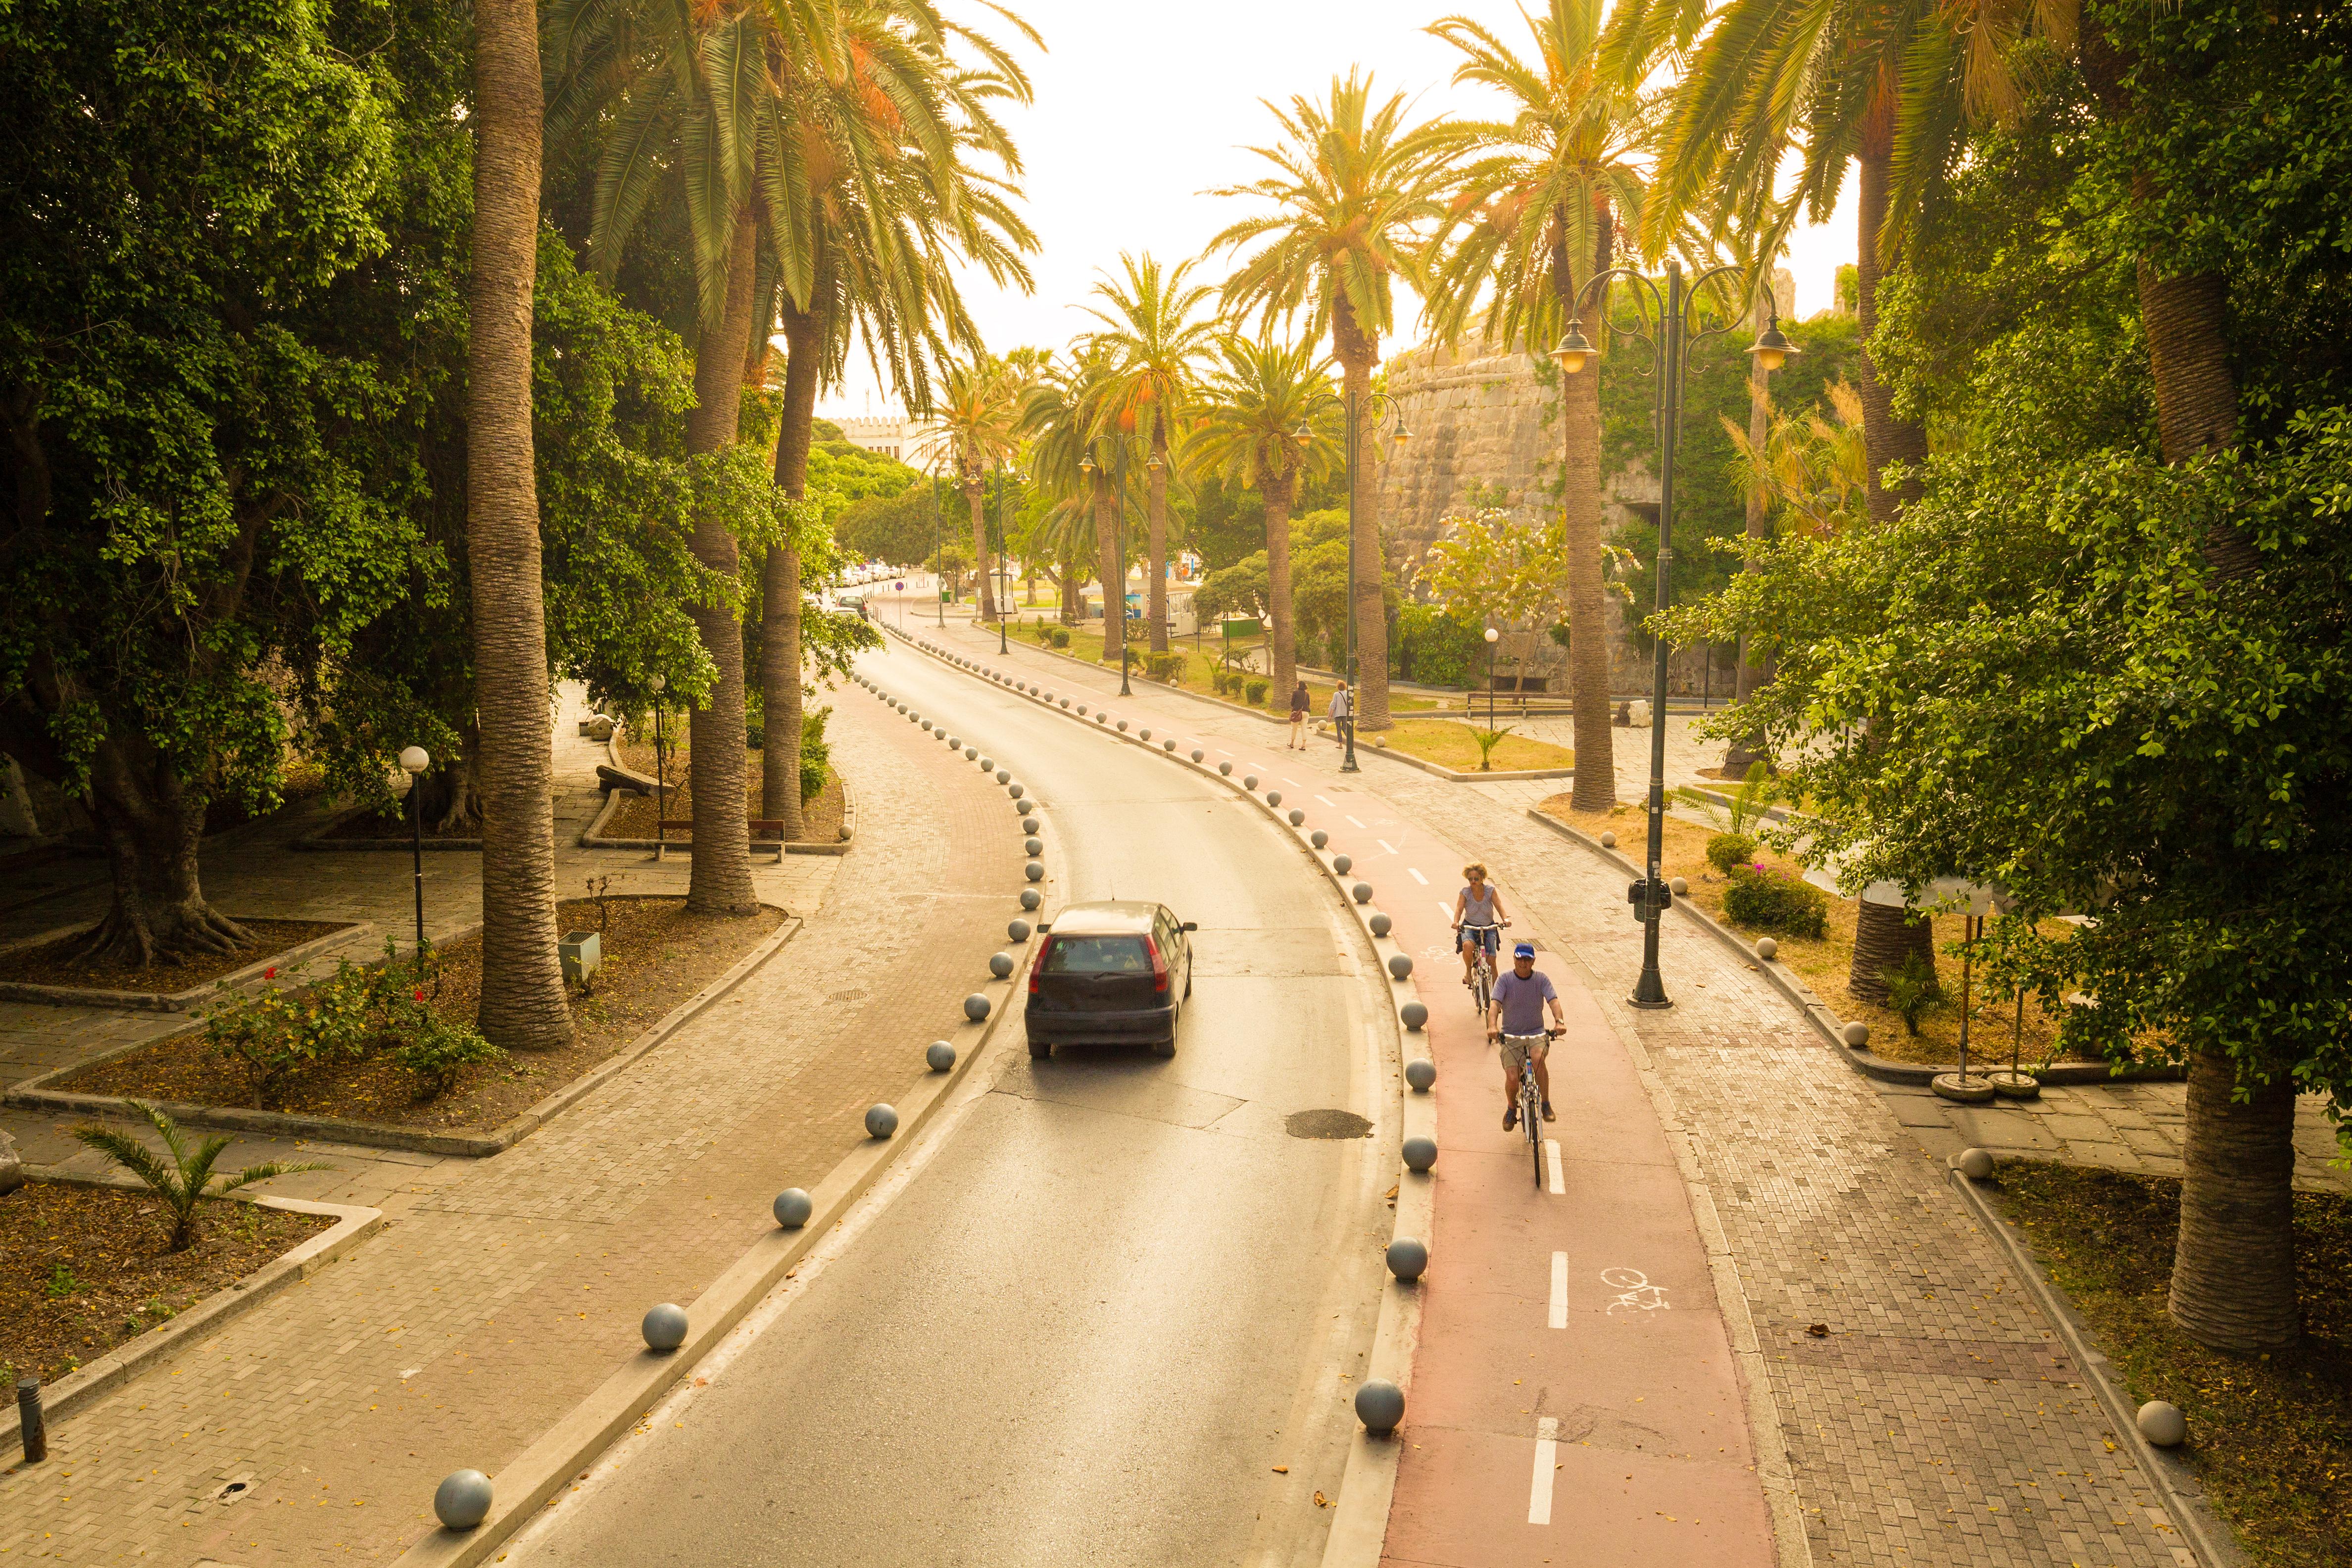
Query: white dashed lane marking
1332	804
1546	1457
1352	819
1416	875
1445	911
1551	1167
1559	1289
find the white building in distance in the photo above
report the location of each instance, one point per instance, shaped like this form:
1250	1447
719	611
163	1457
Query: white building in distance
911	441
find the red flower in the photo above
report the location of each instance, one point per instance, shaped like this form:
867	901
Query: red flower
270	972
420	994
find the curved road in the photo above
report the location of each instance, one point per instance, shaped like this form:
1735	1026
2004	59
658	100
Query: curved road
1114	1293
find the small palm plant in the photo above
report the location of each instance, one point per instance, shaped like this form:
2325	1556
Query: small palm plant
179	1177
1750	804
1487	740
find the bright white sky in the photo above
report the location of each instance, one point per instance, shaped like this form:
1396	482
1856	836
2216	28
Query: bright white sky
1139	109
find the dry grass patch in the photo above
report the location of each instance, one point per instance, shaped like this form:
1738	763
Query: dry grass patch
821	816
1450	744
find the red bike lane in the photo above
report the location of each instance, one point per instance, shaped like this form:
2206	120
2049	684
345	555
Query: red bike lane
1573	1398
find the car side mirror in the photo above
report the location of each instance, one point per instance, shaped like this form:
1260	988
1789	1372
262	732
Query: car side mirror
1191	925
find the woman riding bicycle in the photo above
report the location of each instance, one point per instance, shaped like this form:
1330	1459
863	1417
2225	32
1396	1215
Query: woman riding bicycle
1478	917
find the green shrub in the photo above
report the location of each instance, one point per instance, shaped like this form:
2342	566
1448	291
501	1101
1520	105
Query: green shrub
181	1176
1220	680
1767	901
438	1051
1061	636
1912	990
816	753
1727	850
1256	689
1165	667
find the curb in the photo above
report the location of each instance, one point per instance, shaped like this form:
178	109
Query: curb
1368	1485
354	1224
2208	1538
1861	1058
31	1095
523	1486
185	1001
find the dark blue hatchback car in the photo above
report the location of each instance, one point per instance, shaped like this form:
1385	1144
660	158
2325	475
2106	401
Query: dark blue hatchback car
1110	972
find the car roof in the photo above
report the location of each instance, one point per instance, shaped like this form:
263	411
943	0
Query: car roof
1104	917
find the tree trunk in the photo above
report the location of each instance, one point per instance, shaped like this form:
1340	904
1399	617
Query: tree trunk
1595	785
975	496
720	879
1155	598
1282	636
1748	749
1885	438
524	1005
1886	936
2233	1268
1359	349
152	824
1108	526
780	583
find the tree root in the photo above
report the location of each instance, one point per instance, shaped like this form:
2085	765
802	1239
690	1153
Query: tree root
127	939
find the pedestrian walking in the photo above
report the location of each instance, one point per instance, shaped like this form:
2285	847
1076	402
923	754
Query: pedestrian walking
1343	713
1299	703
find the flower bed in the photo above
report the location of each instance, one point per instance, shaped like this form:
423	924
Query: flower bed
52	964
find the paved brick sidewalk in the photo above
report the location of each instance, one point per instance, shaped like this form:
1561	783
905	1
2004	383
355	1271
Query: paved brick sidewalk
1939	1421
508	1288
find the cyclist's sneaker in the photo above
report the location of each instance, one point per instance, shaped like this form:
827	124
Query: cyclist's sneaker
1548	1115
1510	1117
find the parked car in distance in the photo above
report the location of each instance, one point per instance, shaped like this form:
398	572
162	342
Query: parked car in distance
1114	971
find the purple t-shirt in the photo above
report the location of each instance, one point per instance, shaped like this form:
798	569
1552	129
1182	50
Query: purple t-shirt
1522	1001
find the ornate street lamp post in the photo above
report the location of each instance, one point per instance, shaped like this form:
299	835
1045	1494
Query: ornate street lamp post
1379	407
661	773
412	762
1493	636
1670	354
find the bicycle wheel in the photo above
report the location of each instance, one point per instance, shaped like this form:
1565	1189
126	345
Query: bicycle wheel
1486	988
1531	1114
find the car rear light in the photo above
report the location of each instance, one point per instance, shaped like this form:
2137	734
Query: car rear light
1159	965
1037	965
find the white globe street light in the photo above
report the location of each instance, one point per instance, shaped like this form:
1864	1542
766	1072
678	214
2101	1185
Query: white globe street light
414	759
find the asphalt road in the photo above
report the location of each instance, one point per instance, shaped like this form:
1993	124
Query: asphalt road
1113	1294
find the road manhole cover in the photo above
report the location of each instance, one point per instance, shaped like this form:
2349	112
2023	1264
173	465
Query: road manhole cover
1326	1124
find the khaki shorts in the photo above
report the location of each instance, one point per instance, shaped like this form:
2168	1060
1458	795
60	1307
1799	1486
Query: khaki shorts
1516	1046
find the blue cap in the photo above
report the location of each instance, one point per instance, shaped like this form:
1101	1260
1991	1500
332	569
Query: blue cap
1523	950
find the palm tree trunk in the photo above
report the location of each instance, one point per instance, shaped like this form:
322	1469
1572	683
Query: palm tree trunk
1748	749
1595	785
1108	525
1358	350
1885	938
975	495
1156	597
524	1005
1282	636
780	583
1886	437
2234	1267
720	879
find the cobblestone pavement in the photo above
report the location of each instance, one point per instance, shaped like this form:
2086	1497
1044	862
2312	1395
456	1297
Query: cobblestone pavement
506	1289
1938	1420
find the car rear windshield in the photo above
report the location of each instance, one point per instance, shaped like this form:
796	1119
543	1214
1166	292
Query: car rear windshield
1097	955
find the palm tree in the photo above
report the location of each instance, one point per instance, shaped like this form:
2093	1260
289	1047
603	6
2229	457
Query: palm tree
1351	195
976	429
1533	216
1151	327
1253	407
524	1005
1077	446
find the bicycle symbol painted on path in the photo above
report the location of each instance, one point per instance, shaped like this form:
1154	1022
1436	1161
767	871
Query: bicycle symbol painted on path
1638	1294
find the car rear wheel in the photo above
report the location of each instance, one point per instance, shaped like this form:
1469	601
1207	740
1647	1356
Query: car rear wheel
1041	1048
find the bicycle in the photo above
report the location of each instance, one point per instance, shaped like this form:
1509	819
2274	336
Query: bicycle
1481	984
1531	1097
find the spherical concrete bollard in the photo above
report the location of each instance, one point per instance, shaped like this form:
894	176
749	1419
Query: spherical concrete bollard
1408	1259
988	764
1415	1015
1017	930
1035	870
793	1208
1198	754
1857	1034
1343	864
1102	718
1380	1405
1031	897
1363	892
1973	1164
1273	798
1082	707
1767	949
1249	781
2162	1424
1609	841
462	1500
1036	847
1066	702
1225	770
939	1055
1000	965
1419	1073
975	1008
1297	817
1168	746
969	753
1122	726
1381	925
1029	824
1420	1154
663	1327
1016	789
1004	775
1319	838
1679	887
1400	966
881	1121
1143	734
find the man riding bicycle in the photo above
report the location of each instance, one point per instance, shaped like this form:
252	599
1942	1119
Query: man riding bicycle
1516	1020
1479	916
